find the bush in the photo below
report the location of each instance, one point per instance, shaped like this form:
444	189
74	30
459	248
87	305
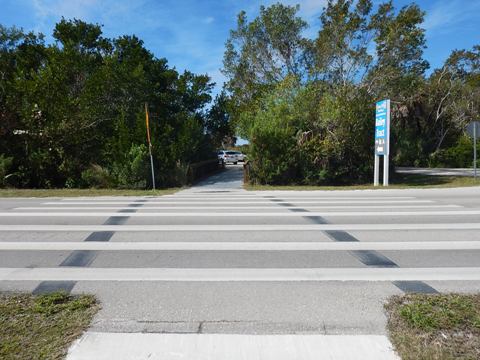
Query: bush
5	164
458	156
273	156
97	177
307	136
179	174
134	170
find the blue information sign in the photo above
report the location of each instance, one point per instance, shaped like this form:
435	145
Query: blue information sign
382	127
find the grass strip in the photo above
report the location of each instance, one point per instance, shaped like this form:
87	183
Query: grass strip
435	327
42	326
82	192
398	181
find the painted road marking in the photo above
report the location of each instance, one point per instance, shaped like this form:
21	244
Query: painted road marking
238	246
272	207
222	202
240	274
242	214
231	196
228	228
306	197
127	346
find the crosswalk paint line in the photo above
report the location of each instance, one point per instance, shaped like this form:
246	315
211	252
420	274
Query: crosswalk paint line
237	246
240	274
240	228
272	207
306	196
243	214
238	196
230	202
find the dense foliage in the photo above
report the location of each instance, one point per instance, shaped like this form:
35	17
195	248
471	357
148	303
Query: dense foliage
72	112
306	105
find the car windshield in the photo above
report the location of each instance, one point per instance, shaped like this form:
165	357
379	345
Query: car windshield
230	152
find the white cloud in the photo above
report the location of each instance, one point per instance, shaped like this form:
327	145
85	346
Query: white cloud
66	8
311	8
111	12
173	29
445	15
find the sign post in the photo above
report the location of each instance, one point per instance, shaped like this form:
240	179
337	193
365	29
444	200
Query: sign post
475	150
472	130
147	125
382	140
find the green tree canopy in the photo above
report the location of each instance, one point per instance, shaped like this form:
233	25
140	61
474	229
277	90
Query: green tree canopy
363	52
72	112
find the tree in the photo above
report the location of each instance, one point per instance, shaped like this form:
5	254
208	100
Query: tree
400	41
21	55
73	112
447	102
218	122
360	55
56	108
264	51
341	48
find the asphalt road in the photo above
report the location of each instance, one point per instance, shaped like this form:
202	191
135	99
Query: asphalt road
218	259
469	172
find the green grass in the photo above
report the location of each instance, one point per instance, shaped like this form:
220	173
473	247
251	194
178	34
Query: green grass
42	326
435	327
398	181
82	192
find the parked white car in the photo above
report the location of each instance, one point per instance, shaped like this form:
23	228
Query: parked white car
228	156
240	156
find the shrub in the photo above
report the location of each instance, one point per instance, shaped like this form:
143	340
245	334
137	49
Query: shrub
179	174
97	177
305	135
5	164
133	171
460	155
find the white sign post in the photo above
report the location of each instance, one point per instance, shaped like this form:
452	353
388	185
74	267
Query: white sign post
382	140
475	150
472	130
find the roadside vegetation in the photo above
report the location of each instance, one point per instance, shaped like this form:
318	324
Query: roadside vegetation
42	326
399	181
4	193
307	104
72	112
436	327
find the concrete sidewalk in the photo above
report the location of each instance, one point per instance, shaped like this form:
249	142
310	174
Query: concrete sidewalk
138	346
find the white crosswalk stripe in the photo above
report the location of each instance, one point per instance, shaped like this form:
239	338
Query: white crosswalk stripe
238	246
200	207
242	228
239	274
226	201
242	214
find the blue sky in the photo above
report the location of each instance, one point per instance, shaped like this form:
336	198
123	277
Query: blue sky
191	33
